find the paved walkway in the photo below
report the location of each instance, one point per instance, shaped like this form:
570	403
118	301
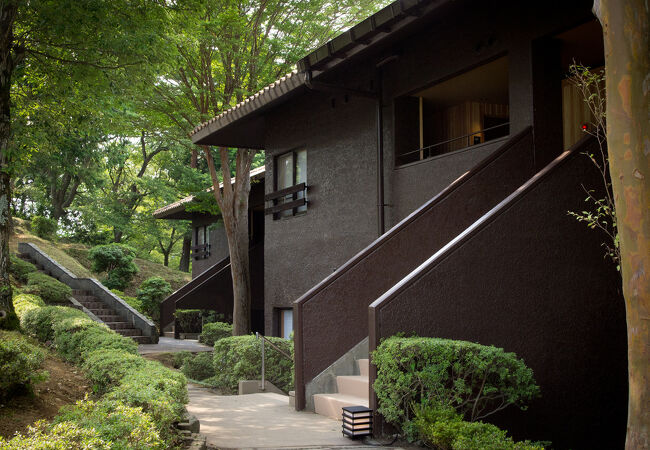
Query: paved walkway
167	344
262	421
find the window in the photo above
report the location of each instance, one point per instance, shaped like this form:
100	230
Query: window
201	249
290	185
286	323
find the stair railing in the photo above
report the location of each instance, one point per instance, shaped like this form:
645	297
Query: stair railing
262	339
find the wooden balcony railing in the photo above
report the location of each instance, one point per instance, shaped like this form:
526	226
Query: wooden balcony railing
286	199
201	251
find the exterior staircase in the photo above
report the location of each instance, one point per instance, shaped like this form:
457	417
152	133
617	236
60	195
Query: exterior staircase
104	313
353	390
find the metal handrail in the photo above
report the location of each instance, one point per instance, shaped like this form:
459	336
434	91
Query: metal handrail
282	352
438	144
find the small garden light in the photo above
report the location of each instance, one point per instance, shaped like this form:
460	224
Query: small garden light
357	421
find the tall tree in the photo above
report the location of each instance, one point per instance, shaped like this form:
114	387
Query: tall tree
626	26
83	38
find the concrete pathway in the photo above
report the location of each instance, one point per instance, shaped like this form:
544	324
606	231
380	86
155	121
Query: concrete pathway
167	344
262	421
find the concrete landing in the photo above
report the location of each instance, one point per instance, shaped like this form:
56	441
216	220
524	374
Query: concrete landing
166	344
262	421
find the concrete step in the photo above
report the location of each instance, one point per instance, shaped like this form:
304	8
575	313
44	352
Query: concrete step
329	405
93	305
101	311
169	334
141	339
80	292
128	332
87	298
118	325
363	365
109	318
356	385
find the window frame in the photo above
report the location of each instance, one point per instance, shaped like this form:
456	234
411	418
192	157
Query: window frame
298	210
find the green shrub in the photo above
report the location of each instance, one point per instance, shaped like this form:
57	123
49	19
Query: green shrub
443	428
26	302
125	427
39	322
212	332
160	392
20	362
132	301
117	261
199	367
105	368
239	358
75	346
179	358
20	268
151	293
44	227
474	379
64	435
48	288
188	320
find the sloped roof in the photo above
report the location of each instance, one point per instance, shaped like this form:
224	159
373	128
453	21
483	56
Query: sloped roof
356	40
173	210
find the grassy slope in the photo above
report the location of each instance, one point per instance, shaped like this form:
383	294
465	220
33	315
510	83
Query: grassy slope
74	257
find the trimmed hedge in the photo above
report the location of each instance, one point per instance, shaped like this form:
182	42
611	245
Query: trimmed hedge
188	320
26	302
20	268
212	332
475	380
65	435
198	367
443	428
105	368
240	358
39	322
20	363
75	346
48	288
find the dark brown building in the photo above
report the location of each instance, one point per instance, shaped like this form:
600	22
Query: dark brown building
419	170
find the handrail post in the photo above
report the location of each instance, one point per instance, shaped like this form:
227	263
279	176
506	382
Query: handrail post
257	334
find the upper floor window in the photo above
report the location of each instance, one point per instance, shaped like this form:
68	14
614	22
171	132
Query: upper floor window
201	249
289	197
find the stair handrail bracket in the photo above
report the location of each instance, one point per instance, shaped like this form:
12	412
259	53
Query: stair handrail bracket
137	319
341	300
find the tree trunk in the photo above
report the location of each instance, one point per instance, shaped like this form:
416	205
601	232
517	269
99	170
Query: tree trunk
7	16
166	259
626	27
184	264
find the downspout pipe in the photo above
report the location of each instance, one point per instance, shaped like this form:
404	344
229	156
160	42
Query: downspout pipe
381	226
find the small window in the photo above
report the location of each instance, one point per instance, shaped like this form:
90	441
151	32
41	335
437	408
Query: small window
290	185
201	249
286	323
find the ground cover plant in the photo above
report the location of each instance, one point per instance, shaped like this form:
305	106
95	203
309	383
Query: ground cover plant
473	379
141	399
212	332
20	363
20	269
239	358
49	289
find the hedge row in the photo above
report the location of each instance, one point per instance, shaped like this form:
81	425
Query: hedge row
142	399
212	332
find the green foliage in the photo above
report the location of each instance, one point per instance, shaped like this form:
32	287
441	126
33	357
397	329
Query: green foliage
20	268
198	367
44	227
75	346
188	320
179	358
212	332
443	428
64	435
26	302
20	361
475	380
239	358
49	289
132	301
39	322
117	261
105	368
151	293
122	426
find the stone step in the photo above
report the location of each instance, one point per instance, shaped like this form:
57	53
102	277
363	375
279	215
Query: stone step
363	365
128	332
80	292
102	311
329	405
86	298
356	385
118	325
93	305
141	339
109	318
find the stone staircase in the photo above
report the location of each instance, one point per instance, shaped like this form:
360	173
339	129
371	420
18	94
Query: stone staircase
104	313
353	390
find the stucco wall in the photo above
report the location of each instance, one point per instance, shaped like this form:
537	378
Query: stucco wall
218	244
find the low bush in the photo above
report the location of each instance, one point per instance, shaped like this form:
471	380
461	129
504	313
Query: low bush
188	320
44	227
117	261
20	363
123	426
443	428
179	358
26	302
239	358
105	368
20	268
64	435
212	332
39	322
151	293
52	291
199	367
473	379
75	346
